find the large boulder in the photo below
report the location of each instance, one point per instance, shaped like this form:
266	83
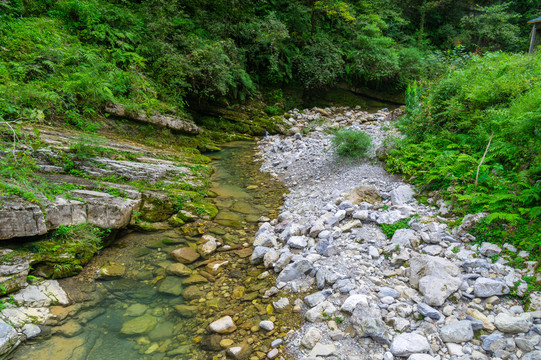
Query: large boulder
19	218
436	278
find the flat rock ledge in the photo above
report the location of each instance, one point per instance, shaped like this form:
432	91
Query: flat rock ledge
171	122
426	292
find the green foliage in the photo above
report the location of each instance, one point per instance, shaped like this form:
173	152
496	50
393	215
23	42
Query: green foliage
351	143
449	123
390	229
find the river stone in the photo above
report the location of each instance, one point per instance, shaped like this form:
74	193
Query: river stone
192	293
316	314
136	310
311	338
209	247
223	325
294	271
258	254
351	302
281	304
402	237
486	287
194	279
8	337
489	250
111	270
171	285
435	277
29	330
373	328
138	326
297	242
186	311
476	314
513	324
185	255
270	258
273	354
428	311
402	195
266	325
409	343
323	350
457	332
364	193
162	331
178	269
316	298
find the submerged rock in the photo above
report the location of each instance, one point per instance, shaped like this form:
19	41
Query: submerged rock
223	325
185	255
138	326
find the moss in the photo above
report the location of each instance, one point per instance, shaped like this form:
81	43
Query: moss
66	250
203	209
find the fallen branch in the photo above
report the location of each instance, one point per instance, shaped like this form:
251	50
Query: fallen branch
483	159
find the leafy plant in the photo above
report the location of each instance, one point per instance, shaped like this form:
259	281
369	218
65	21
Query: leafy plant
390	229
351	143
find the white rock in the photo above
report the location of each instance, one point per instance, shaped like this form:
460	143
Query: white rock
409	343
266	325
351	302
323	350
311	338
223	325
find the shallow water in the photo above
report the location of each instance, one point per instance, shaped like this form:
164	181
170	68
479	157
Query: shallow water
92	330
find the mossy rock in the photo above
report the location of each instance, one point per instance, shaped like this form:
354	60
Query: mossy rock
203	209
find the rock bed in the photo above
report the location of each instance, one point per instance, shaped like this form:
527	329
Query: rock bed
427	292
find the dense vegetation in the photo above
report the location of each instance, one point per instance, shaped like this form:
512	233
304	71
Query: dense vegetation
63	59
475	137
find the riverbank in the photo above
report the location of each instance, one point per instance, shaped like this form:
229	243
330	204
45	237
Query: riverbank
394	277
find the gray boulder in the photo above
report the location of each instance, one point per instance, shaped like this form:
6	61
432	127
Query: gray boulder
409	343
294	271
486	287
436	278
457	332
402	195
19	218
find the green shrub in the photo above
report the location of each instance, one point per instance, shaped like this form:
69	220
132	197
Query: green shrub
351	143
390	229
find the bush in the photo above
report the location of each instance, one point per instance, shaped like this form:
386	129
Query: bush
351	143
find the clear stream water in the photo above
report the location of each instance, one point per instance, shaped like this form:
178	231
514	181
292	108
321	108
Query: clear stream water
91	328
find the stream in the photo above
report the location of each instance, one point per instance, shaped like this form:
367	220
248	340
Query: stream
150	313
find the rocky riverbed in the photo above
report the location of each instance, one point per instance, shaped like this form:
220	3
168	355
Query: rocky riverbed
389	277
